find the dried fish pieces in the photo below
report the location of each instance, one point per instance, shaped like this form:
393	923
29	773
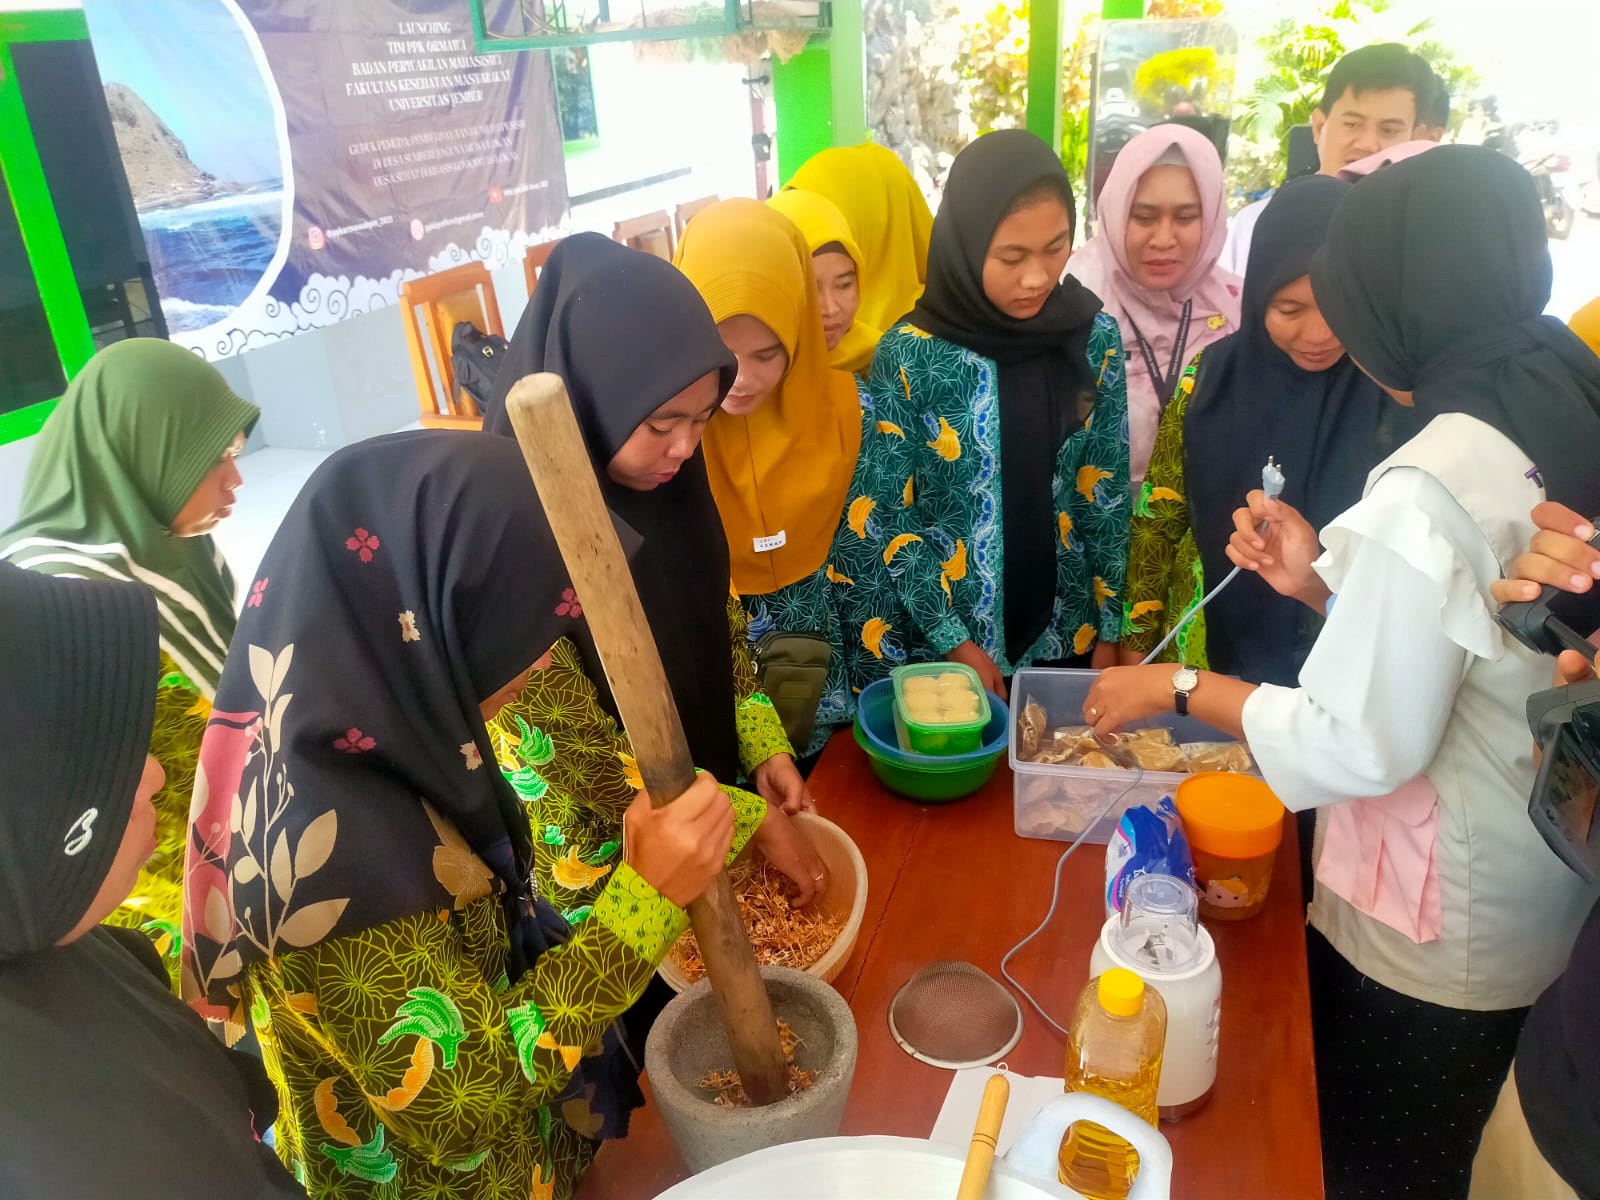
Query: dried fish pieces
1099	760
730	1090
1031	726
1067	746
1154	756
1154	750
1218	756
1158	736
782	936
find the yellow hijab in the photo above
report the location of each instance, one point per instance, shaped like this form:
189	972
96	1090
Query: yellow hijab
1586	324
781	473
891	221
822	224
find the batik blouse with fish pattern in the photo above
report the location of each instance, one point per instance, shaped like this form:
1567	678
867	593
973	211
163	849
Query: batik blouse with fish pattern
807	606
917	566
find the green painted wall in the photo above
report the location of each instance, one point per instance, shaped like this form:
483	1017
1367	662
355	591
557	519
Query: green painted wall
1044	60
820	94
1044	70
29	195
802	93
847	54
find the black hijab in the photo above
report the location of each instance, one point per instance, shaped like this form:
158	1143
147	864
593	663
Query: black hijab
1250	400
1046	387
626	331
1434	276
413	577
78	659
101	1062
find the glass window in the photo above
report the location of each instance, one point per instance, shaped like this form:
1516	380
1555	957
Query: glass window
30	369
71	125
574	93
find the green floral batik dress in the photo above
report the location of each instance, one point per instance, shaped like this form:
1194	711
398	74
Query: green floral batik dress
409	1066
156	903
1164	573
573	767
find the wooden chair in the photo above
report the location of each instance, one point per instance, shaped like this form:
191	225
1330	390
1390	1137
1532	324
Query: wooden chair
651	233
533	262
464	293
688	210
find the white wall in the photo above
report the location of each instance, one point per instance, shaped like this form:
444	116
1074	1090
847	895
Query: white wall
657	115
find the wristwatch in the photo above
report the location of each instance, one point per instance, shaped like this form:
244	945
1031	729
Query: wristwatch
1184	681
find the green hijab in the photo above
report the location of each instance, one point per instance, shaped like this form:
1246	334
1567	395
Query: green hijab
139	428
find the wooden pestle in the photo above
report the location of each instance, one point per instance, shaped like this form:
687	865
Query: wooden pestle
563	473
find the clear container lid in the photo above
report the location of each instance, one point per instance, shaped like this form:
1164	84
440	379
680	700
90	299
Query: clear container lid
1160	929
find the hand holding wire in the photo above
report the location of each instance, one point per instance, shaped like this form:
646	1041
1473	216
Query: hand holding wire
1272	482
1277	543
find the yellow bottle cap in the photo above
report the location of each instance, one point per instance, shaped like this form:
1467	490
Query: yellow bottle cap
1121	992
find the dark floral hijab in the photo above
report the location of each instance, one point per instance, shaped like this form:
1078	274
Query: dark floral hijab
346	778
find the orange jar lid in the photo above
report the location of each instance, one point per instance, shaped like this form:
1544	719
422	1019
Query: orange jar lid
1231	816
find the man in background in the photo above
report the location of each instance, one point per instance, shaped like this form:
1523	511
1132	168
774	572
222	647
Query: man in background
1376	97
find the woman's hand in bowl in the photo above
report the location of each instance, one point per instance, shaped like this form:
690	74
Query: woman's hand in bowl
784	844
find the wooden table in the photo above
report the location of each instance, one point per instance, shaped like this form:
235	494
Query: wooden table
954	881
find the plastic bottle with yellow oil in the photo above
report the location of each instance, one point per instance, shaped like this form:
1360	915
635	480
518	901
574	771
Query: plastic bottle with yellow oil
1114	1050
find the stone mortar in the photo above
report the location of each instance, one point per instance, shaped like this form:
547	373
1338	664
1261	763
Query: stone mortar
688	1040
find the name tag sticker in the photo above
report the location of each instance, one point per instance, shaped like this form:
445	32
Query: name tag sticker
774	541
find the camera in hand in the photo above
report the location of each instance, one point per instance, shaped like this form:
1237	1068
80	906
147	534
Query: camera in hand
1565	722
1566	794
1548	625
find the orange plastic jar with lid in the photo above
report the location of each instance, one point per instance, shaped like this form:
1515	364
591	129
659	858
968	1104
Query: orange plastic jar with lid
1234	825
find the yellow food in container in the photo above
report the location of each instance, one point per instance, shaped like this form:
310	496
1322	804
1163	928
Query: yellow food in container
940	708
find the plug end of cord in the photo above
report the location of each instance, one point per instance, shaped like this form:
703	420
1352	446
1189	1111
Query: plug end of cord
1272	479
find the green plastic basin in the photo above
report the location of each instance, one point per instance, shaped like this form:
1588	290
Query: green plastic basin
929	784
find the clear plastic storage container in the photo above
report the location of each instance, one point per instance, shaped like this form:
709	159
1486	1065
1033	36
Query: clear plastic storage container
1057	803
955	734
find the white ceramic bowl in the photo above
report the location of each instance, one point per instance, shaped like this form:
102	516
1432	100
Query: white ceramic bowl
846	898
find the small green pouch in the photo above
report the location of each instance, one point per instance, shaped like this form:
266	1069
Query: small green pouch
793	671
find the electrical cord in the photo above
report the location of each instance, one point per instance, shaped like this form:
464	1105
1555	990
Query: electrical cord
1272	484
1055	900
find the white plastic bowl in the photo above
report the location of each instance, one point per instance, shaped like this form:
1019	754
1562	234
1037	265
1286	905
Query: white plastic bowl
891	1168
846	898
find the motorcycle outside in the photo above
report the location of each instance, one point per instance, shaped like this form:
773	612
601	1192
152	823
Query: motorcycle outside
1556	195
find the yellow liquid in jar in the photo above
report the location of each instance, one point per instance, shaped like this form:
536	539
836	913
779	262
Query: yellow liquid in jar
1094	1161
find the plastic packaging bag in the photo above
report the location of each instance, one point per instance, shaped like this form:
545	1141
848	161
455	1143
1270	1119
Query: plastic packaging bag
1147	842
1031	730
1218	756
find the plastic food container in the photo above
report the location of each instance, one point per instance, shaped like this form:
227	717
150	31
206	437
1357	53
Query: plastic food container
1058	803
930	778
957	735
1234	825
846	898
